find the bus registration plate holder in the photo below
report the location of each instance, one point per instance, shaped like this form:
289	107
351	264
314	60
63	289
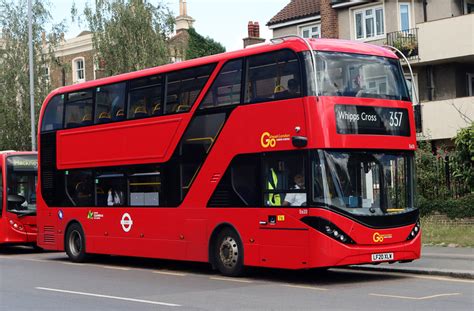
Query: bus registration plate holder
382	257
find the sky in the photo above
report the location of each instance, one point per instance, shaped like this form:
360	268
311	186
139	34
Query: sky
223	20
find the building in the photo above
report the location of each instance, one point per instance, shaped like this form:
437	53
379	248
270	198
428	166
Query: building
75	62
76	59
437	37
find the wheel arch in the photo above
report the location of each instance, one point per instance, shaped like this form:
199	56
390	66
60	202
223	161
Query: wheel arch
66	228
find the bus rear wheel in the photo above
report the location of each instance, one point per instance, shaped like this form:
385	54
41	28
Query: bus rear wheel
75	243
228	253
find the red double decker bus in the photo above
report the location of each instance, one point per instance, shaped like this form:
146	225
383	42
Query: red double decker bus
18	179
294	154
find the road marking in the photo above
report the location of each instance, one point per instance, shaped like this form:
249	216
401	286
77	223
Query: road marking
230	279
403	274
109	297
304	287
415	298
169	273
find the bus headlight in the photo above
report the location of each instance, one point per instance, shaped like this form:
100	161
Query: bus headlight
414	231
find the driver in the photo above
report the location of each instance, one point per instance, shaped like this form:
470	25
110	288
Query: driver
296	198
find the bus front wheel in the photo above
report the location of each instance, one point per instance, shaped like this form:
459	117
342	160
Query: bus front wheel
228	253
75	243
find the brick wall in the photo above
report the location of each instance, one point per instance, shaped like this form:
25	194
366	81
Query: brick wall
65	62
329	22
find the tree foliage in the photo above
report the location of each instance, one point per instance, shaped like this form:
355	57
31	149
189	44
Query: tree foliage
129	35
199	46
15	132
464	155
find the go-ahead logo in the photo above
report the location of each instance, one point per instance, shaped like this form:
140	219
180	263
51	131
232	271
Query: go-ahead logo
126	222
378	238
268	140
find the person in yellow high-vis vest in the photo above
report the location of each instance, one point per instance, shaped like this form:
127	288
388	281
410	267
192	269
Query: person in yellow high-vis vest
274	199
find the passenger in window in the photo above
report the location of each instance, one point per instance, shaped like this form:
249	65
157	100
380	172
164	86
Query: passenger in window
355	89
293	90
296	198
114	197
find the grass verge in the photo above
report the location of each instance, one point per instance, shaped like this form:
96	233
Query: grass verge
446	232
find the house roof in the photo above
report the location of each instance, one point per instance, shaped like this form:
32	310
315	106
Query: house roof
294	10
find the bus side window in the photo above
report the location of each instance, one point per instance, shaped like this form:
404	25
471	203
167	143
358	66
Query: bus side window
273	76
145	187
1	192
284	180
53	114
79	187
145	97
225	89
79	109
110	188
184	86
109	101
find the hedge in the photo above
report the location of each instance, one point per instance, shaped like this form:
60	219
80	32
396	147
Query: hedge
453	208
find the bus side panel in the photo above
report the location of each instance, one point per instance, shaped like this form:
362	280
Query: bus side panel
122	143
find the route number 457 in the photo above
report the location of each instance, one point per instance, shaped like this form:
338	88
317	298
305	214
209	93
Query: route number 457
396	118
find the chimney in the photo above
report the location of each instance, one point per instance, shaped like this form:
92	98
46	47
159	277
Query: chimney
256	30
329	22
250	30
253	37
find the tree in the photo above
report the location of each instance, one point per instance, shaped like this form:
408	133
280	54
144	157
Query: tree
199	46
464	156
15	130
129	35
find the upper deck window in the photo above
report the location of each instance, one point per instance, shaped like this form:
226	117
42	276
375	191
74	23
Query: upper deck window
53	114
78	109
109	103
272	76
226	88
145	97
184	86
356	75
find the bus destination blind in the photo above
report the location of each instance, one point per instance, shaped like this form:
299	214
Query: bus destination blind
371	120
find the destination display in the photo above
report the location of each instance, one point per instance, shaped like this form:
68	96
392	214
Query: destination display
371	120
23	163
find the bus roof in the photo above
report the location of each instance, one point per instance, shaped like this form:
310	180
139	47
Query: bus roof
294	43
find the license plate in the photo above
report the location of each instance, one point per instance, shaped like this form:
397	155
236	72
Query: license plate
382	257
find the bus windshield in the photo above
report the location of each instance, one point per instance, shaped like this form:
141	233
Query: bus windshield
21	183
356	75
363	182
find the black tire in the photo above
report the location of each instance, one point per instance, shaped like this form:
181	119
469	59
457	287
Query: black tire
229	253
75	243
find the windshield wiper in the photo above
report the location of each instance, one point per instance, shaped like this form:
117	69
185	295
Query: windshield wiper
22	213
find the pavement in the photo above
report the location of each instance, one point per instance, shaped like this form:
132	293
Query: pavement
455	262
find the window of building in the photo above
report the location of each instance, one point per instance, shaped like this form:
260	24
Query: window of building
470	84
79	73
184	86
468	6
53	114
284	178
145	97
405	16
227	86
78	109
311	31
109	103
369	23
45	73
272	76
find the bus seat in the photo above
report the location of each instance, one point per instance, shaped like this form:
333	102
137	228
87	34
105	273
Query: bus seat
182	108
120	115
86	119
140	112
156	109
104	117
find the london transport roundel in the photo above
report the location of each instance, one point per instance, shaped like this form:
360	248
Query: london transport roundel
126	222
